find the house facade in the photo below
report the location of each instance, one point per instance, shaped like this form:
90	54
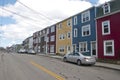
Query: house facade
84	32
35	41
108	30
64	36
30	44
42	41
51	39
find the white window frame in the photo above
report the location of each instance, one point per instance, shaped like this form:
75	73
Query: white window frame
113	51
52	29
39	39
52	38
85	15
47	39
75	46
104	27
81	46
60	26
89	28
62	48
69	23
48	31
61	36
40	32
75	32
104	8
52	48
43	31
69	35
68	48
75	20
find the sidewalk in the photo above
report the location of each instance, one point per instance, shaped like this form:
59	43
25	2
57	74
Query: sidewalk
98	64
107	65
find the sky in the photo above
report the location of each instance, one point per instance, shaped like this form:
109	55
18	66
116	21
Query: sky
19	19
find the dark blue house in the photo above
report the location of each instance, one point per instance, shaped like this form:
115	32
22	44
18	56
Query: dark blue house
84	32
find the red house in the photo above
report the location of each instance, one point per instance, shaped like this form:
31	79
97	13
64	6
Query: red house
108	30
51	39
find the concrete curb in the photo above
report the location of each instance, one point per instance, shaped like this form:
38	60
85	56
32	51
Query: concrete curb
107	67
96	65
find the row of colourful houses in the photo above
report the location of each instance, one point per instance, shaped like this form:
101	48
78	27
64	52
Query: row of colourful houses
95	32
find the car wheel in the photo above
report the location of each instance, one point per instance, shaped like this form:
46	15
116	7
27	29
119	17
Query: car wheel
64	59
78	62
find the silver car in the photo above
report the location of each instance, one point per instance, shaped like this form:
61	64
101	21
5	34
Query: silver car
31	52
79	58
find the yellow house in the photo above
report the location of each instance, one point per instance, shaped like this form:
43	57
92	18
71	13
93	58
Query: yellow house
64	36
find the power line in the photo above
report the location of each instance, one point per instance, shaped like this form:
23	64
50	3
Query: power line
18	14
35	11
22	17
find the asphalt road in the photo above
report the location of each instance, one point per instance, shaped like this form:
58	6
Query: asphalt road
34	67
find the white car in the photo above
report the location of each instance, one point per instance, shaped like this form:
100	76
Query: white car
22	51
31	52
79	58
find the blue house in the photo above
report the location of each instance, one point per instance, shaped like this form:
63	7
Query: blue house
84	32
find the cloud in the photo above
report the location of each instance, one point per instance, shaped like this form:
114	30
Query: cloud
102	1
44	13
47	12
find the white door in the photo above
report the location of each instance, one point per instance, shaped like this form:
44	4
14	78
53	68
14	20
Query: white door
93	49
68	49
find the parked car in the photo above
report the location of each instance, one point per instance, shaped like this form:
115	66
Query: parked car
79	58
31	52
22	51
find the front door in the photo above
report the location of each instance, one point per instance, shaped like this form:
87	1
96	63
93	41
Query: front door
68	49
93	49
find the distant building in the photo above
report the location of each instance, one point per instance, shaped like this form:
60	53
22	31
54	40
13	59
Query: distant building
28	43
51	39
35	41
39	41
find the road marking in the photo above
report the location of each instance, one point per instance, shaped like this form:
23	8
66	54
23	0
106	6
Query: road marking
47	71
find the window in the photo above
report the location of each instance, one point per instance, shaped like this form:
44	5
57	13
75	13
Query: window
52	38
83	46
47	39
75	32
43	31
61	49
75	20
68	34
86	30
86	16
53	29
106	27
39	39
40	33
74	48
109	48
60	26
68	48
61	36
48	31
106	8
52	48
69	23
